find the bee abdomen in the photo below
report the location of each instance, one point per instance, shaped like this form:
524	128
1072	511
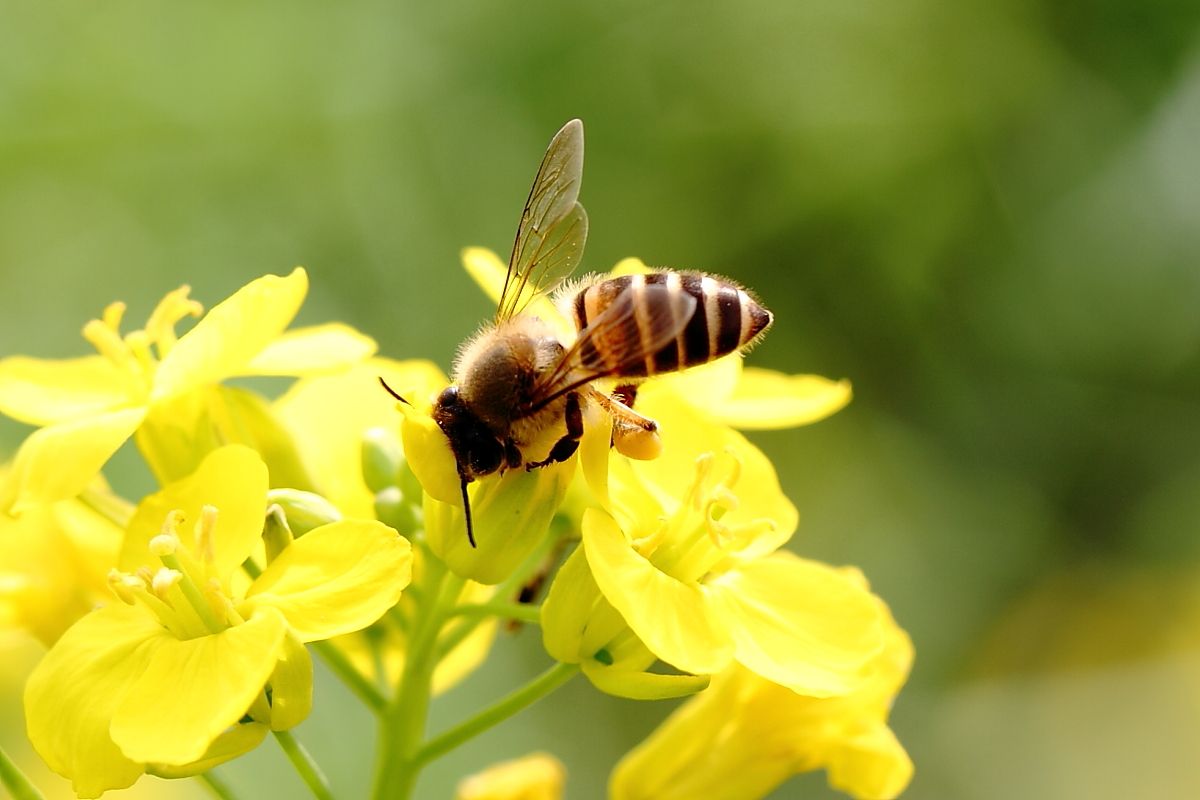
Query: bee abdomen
726	318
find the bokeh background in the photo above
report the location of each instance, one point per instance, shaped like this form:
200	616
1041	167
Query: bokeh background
985	213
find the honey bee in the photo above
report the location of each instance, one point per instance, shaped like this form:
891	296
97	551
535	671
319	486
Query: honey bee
515	380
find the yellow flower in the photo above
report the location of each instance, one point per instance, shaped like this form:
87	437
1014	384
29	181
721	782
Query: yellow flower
796	622
54	562
194	666
88	407
537	776
745	735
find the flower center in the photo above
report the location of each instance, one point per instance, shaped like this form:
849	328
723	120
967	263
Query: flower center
183	592
696	537
139	352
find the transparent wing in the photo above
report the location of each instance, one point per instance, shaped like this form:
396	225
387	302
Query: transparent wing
619	340
553	227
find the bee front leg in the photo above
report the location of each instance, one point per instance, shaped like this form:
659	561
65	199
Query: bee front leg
565	447
512	456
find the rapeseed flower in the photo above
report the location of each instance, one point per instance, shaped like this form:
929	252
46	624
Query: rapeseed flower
54	562
537	776
196	662
152	379
745	735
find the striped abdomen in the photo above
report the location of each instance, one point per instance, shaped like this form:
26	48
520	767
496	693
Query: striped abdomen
725	318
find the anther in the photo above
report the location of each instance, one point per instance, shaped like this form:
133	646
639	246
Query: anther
164	580
124	585
165	544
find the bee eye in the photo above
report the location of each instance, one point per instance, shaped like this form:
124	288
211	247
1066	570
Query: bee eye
448	397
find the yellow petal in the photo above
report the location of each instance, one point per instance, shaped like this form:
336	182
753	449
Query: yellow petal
706	388
306	351
593	455
240	416
177	434
231	335
765	399
486	268
429	454
537	776
45	391
233	479
709	747
335	579
291	685
640	685
193	690
58	461
237	741
568	608
73	693
511	515
674	619
871	765
328	415
800	624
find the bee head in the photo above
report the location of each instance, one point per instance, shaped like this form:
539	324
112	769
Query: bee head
476	448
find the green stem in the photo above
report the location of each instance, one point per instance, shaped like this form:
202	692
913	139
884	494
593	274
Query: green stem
518	611
217	785
405	718
19	786
309	772
362	688
502	709
455	636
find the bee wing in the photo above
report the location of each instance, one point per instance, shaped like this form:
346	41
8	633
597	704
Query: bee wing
553	227
619	339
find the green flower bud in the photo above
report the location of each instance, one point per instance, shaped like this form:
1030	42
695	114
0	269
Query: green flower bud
303	510
382	458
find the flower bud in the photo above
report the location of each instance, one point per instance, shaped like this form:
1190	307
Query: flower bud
303	510
382	458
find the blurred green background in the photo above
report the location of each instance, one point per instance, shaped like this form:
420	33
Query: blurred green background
984	213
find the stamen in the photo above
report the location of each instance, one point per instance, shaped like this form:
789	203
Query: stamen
112	316
176	305
163	582
719	504
165	544
139	345
735	468
206	529
108	343
693	495
123	585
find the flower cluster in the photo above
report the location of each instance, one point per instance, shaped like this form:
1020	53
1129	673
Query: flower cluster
330	520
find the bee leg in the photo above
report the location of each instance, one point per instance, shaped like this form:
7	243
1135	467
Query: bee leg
565	447
626	393
512	456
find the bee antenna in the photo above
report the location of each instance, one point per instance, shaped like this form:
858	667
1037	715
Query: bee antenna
467	512
392	391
